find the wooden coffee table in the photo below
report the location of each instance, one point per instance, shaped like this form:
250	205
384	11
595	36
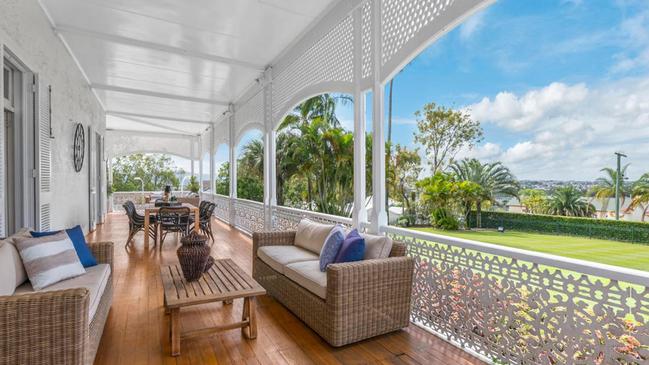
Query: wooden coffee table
224	282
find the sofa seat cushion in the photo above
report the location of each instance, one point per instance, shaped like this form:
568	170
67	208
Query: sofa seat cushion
308	275
95	280
277	257
311	235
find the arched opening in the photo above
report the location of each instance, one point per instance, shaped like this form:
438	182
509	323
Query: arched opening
139	176
222	170
315	155
250	166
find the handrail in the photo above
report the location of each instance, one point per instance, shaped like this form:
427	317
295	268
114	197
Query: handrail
581	266
326	216
240	200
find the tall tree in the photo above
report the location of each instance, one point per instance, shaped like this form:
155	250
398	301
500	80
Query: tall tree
388	159
567	201
318	152
402	178
494	179
444	132
155	170
223	179
640	195
251	161
604	188
535	201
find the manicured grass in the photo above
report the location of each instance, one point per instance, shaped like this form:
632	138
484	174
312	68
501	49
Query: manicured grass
634	256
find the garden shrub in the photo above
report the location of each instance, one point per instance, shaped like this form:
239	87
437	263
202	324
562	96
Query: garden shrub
626	231
441	218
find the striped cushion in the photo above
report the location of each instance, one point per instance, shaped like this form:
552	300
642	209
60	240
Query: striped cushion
49	259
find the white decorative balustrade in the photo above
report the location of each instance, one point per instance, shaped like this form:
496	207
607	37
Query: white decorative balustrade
506	305
248	215
285	218
222	209
520	307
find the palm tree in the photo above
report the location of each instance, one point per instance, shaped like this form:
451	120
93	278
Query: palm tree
252	159
605	186
494	178
640	195
567	201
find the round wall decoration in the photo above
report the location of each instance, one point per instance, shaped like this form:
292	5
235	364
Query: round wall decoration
79	147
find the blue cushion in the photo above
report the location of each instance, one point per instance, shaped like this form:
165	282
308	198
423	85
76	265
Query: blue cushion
331	246
79	242
353	248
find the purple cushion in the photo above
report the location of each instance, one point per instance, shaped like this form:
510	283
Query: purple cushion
353	248
331	246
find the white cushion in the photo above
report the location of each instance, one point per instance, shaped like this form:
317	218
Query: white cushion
12	271
311	235
95	280
308	275
377	247
279	256
49	259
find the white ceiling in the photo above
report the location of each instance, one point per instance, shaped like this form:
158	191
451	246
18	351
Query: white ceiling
158	65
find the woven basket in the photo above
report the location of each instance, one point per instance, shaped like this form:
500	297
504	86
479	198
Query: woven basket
194	256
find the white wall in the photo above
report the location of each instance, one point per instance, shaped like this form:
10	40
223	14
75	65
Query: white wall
26	31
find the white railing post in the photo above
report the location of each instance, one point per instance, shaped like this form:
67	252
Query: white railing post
359	213
233	164
270	164
379	215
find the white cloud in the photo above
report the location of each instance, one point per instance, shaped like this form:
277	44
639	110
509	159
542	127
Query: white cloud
634	32
472	25
569	131
522	113
486	151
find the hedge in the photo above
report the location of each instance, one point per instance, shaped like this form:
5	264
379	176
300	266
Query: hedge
636	232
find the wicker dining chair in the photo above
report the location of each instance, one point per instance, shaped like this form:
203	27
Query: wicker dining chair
206	209
136	224
173	219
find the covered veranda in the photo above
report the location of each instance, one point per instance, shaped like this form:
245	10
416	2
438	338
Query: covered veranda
137	328
165	77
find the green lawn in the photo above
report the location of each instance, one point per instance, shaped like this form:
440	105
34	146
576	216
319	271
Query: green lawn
616	253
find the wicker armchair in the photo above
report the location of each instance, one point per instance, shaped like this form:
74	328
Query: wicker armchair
53	327
364	298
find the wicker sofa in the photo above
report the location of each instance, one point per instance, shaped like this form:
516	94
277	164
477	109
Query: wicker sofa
359	300
61	326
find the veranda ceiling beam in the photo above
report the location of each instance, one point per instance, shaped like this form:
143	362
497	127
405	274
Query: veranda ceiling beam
150	134
171	119
62	28
156	94
155	125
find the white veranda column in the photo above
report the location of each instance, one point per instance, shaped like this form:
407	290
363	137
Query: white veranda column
270	196
212	185
359	214
270	155
192	154
200	164
233	164
379	216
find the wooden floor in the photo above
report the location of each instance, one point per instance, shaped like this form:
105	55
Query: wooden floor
137	328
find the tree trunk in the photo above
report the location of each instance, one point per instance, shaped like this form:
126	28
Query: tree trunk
478	215
309	192
388	160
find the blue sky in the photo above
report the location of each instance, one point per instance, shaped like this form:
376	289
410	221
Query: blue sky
547	79
558	85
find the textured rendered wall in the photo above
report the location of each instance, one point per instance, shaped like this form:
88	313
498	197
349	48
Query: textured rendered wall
25	30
